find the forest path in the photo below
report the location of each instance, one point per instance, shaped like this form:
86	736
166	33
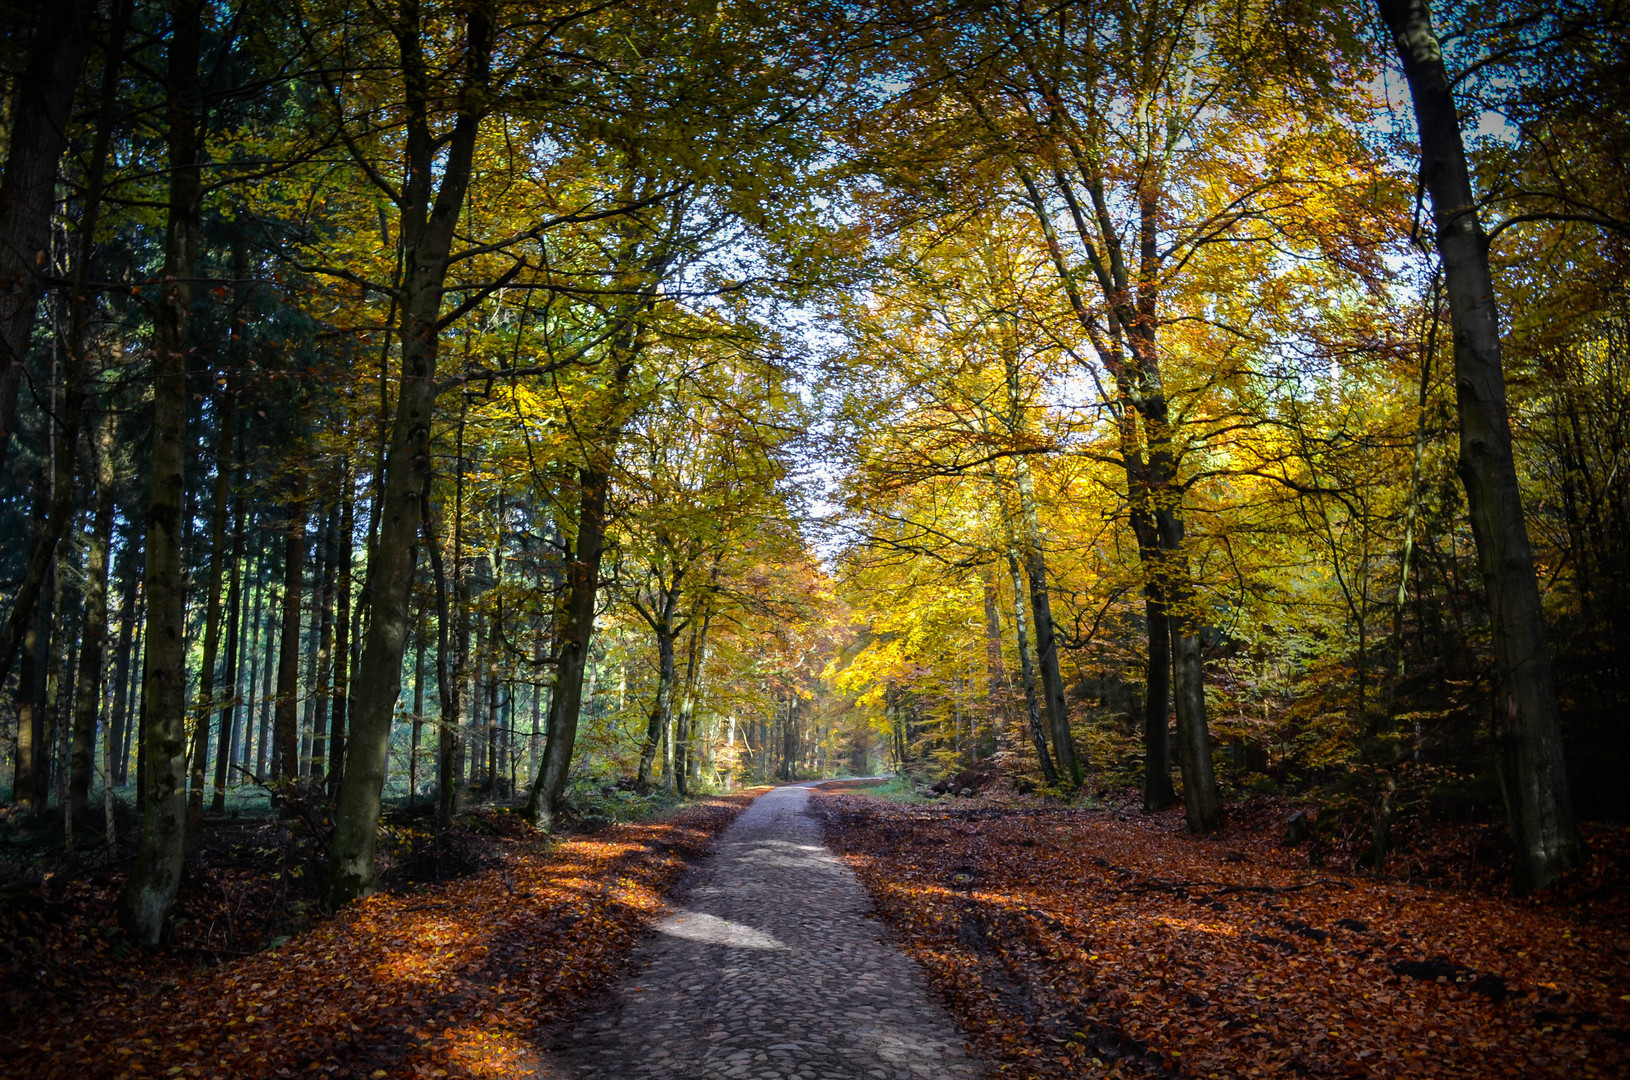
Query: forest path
770	966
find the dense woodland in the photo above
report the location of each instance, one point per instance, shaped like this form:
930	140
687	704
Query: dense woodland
413	406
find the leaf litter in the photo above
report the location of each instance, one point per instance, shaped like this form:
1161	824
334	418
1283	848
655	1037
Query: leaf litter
457	979
1091	942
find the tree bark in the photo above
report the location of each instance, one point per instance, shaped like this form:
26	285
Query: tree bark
266	742
695	657
447	682
321	685
656	727
285	713
576	636
1027	675
1157	752
226	407
419	630
229	669
342	639
130	577
1535	773
1202	806
150	890
1052	681
429	214
93	634
996	691
39	134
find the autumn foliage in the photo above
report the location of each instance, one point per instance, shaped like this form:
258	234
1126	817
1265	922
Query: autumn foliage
453	980
1068	941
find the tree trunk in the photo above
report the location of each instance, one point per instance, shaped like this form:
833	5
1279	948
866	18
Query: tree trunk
427	239
321	685
226	406
150	890
790	740
76	385
996	689
695	656
266	743
285	714
25	786
1201	803
576	635
138	700
130	579
447	684
342	640
1052	681
93	635
1157	752
229	670
1027	675
418	707
656	727
39	134
310	736
254	643
1535	774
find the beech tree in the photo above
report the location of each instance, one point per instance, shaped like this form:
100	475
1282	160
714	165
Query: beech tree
1536	777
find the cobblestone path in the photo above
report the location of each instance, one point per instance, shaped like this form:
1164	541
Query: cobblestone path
770	966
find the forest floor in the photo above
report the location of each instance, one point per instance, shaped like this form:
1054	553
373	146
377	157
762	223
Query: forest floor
1073	942
448	978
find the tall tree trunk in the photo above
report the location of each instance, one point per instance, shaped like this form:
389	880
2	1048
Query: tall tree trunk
321	685
1535	774
1157	752
254	644
661	710
138	700
790	740
532	745
429	215
576	636
150	890
266	742
59	664
1027	674
130	578
419	629
447	682
39	134
229	670
1052	681
1129	352
342	646
313	645
494	763
1202	806
285	714
695	657
80	388
996	689
17	306
93	635
25	784
226	406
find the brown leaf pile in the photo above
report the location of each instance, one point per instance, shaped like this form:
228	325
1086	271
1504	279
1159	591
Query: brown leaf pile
1070	941
451	981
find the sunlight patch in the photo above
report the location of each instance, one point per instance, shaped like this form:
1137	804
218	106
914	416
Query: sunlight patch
712	930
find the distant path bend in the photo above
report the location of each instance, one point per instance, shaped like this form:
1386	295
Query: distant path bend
770	967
